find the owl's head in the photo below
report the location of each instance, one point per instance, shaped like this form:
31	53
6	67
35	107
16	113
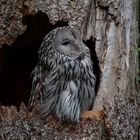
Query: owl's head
67	41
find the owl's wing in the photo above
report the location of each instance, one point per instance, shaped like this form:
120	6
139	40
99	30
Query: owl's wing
38	75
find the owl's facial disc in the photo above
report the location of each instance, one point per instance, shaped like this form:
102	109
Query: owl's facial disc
66	43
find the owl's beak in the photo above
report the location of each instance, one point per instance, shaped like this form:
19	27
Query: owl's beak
77	49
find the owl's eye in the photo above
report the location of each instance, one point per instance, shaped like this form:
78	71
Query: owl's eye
66	42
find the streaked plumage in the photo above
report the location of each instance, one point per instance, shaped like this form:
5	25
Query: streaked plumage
63	80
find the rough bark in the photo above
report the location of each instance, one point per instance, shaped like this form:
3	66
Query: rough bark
24	125
10	21
113	26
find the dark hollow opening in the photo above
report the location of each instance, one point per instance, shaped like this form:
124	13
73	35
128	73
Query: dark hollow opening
18	60
96	69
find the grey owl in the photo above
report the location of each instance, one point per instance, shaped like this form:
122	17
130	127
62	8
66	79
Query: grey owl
63	80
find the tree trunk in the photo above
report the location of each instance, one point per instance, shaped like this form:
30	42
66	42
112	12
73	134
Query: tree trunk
111	28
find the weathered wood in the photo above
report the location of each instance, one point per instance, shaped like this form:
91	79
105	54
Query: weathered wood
113	26
116	29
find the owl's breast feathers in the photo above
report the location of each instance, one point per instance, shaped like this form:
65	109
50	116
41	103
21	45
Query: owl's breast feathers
63	79
69	89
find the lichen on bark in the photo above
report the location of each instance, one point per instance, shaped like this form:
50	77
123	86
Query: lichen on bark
57	10
11	21
21	124
122	118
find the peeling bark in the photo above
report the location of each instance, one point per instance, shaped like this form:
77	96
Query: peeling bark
113	26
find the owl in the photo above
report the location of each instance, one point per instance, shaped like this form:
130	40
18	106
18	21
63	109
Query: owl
63	79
